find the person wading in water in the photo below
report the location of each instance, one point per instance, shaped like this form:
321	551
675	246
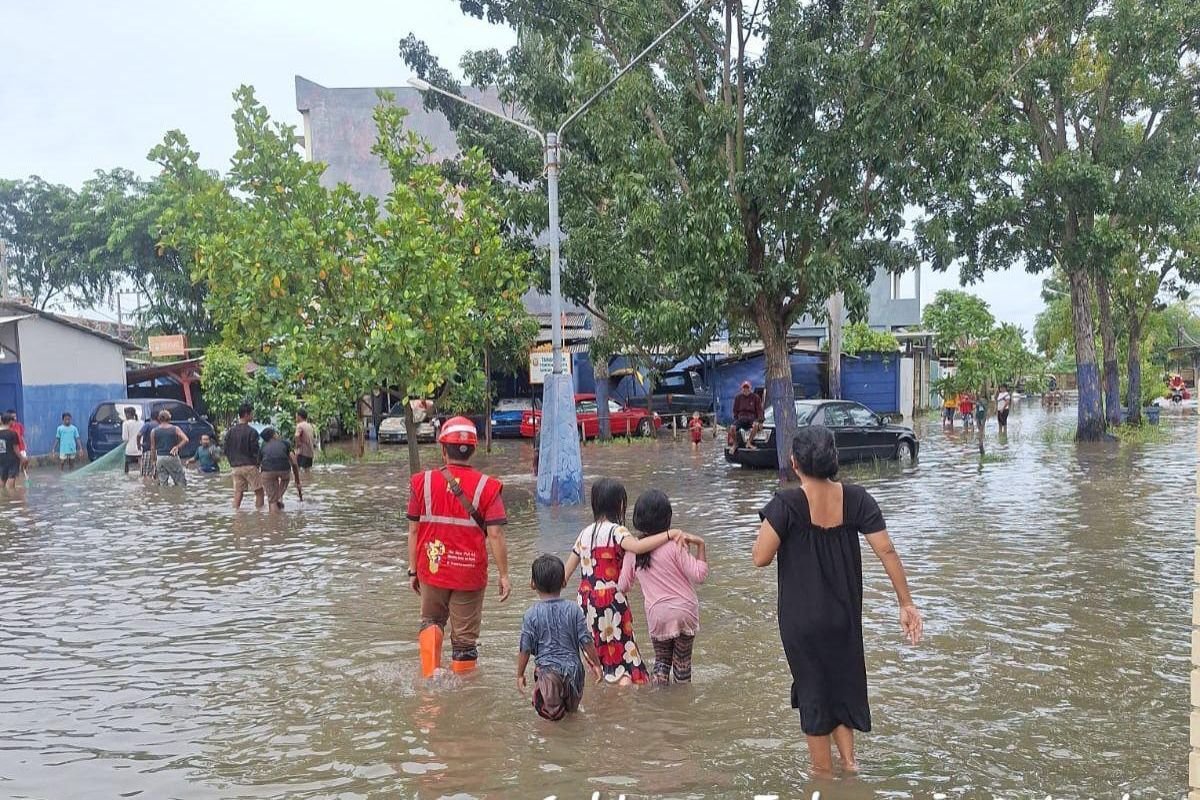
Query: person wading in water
455	515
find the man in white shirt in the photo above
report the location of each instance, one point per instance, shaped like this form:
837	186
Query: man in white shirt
1003	404
129	435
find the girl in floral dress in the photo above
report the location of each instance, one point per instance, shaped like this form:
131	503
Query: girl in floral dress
598	553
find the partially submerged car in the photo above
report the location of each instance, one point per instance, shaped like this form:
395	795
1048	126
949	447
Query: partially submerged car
860	433
393	431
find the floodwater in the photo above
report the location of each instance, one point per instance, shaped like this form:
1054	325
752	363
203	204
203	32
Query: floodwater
156	644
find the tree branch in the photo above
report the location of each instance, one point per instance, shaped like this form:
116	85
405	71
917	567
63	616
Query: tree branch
647	111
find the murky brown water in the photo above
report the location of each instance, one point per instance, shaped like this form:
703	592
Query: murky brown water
161	646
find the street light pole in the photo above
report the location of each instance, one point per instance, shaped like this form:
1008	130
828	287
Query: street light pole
560	469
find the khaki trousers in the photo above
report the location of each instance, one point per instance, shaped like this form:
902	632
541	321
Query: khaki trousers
462	609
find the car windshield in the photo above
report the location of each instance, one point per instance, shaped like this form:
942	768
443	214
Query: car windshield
397	409
514	404
804	409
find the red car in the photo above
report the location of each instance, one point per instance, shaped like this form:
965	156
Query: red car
637	421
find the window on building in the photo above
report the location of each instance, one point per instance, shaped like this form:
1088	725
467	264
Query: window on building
904	285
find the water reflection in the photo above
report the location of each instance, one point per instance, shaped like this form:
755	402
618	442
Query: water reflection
159	642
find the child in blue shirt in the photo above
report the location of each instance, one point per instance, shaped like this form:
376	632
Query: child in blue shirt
553	632
67	443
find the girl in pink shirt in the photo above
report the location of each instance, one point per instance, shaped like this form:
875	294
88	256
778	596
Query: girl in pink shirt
667	576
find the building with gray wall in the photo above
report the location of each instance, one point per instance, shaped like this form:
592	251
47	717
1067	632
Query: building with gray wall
50	364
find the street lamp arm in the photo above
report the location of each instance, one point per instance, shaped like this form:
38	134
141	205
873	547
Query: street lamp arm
633	63
425	86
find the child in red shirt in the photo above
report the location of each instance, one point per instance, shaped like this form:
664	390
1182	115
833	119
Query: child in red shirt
696	427
966	407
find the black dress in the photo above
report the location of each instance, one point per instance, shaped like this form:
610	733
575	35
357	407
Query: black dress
820	607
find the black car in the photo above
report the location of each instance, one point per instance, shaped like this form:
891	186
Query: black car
861	435
104	425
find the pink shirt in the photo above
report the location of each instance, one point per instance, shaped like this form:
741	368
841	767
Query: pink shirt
672	608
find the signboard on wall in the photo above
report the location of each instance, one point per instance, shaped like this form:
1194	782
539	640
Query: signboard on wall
541	364
168	346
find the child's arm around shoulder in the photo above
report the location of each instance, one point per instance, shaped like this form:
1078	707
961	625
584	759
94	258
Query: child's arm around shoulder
696	566
627	572
632	544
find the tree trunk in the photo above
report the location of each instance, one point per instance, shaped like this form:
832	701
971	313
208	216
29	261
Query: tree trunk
1108	339
779	384
1090	424
1134	367
835	308
600	375
487	400
410	432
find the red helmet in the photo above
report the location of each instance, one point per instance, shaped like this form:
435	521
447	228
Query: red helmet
458	430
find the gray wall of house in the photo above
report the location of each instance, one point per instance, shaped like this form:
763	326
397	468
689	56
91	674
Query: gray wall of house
885	313
54	354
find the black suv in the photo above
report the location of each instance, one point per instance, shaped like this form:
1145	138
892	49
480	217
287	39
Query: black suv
104	426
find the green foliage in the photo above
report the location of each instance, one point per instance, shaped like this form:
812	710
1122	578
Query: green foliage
1081	158
986	353
958	320
345	296
127	209
50	244
857	337
714	187
224	382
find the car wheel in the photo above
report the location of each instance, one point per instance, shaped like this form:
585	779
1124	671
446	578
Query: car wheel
645	428
906	453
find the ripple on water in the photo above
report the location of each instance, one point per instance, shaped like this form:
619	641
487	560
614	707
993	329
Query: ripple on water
163	644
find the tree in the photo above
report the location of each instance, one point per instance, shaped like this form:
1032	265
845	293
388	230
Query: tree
714	187
49	244
985	353
224	382
343	298
127	209
1078	110
859	338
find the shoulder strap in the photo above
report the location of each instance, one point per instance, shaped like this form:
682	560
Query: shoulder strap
467	505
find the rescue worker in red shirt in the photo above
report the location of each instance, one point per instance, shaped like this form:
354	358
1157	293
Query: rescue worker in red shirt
455	515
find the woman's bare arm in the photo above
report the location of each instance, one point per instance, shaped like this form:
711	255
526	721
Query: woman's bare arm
910	617
765	546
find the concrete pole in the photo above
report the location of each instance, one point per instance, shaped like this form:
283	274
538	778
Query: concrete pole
556	332
3	270
1194	717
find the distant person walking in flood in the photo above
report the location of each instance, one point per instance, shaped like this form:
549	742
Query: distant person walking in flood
949	409
147	458
306	440
166	440
67	443
455	515
1003	406
279	465
814	530
11	455
130	429
242	451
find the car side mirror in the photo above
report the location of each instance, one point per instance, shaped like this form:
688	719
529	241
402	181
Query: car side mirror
885	421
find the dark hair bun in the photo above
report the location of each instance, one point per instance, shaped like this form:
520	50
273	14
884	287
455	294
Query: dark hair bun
815	451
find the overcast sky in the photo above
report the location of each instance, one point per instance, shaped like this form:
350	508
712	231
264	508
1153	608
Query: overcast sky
87	85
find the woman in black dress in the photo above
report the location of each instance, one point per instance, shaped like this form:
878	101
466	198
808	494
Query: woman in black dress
814	529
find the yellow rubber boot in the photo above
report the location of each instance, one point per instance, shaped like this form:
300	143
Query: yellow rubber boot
430	644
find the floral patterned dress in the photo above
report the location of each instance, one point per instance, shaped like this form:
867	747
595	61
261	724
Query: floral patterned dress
608	614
